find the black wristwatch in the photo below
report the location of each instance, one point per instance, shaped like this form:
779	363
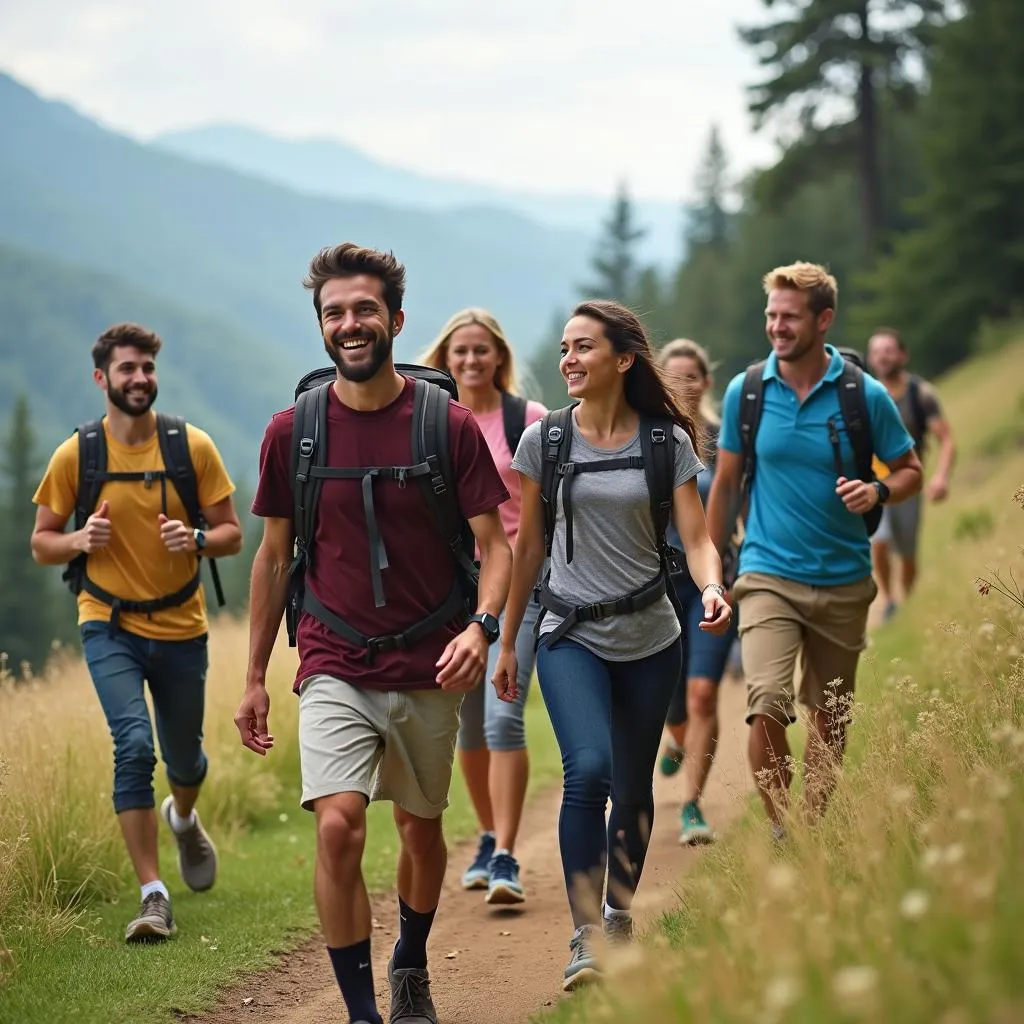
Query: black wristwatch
200	539
489	624
883	491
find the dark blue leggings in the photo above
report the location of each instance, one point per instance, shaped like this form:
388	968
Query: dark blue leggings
607	717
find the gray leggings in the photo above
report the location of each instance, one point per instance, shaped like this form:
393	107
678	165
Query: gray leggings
485	719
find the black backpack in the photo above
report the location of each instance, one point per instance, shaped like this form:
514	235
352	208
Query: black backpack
431	468
856	418
657	459
92	474
513	414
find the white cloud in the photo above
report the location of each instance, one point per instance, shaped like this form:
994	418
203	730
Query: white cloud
559	95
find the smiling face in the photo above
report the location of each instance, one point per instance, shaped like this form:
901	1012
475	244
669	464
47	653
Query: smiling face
357	328
473	357
129	380
589	364
791	325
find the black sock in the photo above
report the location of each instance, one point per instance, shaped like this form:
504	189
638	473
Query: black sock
411	949
352	968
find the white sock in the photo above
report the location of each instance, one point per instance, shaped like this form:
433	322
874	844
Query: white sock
180	825
674	747
157	886
610	913
498	853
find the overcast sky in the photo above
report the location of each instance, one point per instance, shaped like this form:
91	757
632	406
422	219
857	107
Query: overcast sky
551	95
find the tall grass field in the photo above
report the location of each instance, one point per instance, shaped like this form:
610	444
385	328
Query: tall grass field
906	903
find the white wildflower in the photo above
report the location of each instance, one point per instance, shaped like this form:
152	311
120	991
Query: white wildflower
854	982
782	992
914	904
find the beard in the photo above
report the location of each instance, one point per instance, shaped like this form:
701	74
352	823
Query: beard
380	350
120	398
801	347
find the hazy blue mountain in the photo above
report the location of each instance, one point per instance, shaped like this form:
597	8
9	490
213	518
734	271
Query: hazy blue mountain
223	379
332	168
217	240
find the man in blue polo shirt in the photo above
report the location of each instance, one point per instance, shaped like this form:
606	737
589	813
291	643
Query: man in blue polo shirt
804	584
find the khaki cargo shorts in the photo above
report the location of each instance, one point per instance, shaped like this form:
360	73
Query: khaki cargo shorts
396	745
782	621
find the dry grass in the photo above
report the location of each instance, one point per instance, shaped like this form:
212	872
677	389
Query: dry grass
60	846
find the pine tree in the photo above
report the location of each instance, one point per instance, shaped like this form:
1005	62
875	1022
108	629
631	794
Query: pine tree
819	50
26	611
707	218
615	263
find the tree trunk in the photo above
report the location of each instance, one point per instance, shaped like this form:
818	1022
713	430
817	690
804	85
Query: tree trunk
870	173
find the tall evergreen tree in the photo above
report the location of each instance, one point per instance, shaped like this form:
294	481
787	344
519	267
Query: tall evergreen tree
707	218
966	261
26	612
615	264
820	50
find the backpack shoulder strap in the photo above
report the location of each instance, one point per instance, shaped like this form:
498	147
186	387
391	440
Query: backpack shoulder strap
556	441
173	437
857	421
430	444
309	449
513	413
751	406
92	464
916	404
657	444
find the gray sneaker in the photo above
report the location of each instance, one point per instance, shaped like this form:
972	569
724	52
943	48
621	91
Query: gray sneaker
154	922
410	995
618	930
197	856
583	968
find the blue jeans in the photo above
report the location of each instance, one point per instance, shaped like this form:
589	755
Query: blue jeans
607	717
120	665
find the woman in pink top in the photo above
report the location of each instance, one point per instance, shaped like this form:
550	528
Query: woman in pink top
492	735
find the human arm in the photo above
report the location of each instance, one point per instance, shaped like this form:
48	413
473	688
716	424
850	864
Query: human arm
938	486
463	661
268	594
702	558
724	498
526	565
52	546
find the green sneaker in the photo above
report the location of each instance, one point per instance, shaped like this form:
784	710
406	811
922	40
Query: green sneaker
671	760
694	830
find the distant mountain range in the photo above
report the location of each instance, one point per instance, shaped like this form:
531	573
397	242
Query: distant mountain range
327	167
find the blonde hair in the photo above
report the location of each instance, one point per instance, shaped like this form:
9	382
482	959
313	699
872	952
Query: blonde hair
685	347
820	286
437	355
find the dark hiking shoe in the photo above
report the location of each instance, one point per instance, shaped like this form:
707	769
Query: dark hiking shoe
197	856
410	995
583	968
505	887
154	922
478	874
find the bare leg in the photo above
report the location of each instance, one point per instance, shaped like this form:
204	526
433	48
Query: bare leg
883	569
702	735
341	898
909	574
509	775
422	860
769	755
476	770
138	826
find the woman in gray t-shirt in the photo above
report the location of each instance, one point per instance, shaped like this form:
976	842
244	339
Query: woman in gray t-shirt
607	682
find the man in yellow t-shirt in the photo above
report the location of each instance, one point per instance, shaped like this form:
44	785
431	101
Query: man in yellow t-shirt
134	563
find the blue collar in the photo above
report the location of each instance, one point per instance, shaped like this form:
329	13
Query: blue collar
833	373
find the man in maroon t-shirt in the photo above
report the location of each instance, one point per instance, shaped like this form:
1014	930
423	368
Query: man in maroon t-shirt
383	729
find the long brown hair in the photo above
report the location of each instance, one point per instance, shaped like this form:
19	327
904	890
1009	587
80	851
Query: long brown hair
689	349
648	388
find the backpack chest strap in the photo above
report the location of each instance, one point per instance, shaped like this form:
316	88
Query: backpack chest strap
567	471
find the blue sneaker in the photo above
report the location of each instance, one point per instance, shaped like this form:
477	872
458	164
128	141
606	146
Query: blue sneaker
478	874
694	830
583	968
504	886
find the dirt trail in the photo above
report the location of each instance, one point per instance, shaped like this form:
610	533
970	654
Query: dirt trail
507	964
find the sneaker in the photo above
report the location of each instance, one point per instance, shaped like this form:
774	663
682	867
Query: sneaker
478	874
582	968
504	886
197	856
890	610
618	929
695	831
410	995
154	922
671	760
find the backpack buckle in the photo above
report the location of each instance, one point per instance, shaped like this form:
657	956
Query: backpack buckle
306	447
658	435
554	434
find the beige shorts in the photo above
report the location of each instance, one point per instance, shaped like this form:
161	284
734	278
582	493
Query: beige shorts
396	745
781	621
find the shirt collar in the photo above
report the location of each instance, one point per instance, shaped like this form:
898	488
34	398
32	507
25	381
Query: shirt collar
833	373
